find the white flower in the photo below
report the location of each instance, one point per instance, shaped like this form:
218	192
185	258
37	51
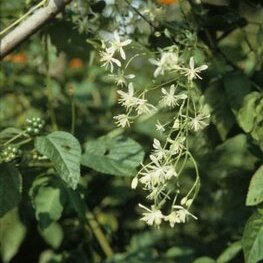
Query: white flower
122	120
120	78
127	99
199	122
170	172
179	216
160	127
155	191
153	216
192	72
169	99
167	62
158	152
108	59
172	218
156	173
144	107
182	213
117	45
149	179
176	145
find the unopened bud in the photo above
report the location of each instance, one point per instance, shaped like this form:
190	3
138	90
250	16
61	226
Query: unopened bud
176	124
184	200
134	183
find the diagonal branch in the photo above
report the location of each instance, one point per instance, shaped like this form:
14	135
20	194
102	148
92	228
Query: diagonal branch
31	25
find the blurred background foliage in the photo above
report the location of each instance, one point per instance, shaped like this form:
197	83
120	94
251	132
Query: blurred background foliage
58	68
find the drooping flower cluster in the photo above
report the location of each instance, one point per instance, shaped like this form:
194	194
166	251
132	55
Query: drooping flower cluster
179	96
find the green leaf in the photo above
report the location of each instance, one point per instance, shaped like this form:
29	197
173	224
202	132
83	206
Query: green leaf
10	187
113	155
70	40
48	204
233	153
49	256
252	241
64	150
255	191
229	253
204	260
222	116
178	252
77	203
257	132
247	114
237	86
53	235
12	234
260	36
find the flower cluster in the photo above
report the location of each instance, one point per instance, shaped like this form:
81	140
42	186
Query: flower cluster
179	96
34	125
10	153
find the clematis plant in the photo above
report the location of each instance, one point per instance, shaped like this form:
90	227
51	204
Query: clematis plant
177	94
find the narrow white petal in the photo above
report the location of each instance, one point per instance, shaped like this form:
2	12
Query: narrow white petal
201	68
192	63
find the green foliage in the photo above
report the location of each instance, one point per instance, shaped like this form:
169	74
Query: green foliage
12	234
53	235
10	188
230	252
253	238
115	155
234	154
223	117
255	191
247	114
64	151
237	86
204	260
48	205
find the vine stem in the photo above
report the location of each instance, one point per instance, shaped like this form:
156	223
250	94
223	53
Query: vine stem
95	227
196	185
24	142
14	138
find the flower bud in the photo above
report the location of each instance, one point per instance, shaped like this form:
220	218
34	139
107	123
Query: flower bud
184	200
176	124
134	183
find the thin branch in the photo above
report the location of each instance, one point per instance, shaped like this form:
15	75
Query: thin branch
32	10
101	238
31	25
141	15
